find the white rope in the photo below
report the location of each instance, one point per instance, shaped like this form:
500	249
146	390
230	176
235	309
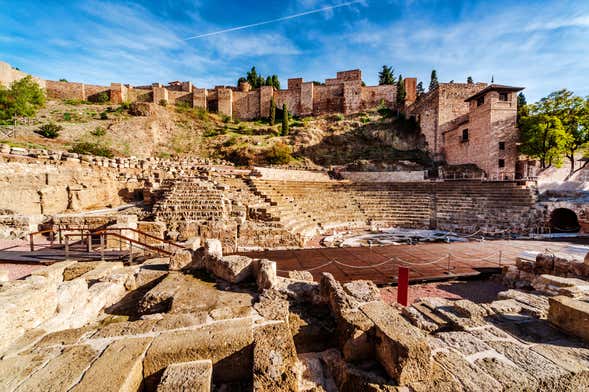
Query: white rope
425	263
362	267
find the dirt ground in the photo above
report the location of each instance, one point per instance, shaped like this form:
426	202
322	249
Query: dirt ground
475	290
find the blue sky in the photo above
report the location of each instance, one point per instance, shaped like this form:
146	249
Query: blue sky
542	45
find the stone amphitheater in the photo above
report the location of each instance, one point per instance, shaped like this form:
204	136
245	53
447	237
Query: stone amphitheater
133	275
189	274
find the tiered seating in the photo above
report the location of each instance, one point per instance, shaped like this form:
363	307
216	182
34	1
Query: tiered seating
190	199
489	206
394	204
311	207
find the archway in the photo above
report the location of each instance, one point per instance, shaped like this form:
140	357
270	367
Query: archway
563	220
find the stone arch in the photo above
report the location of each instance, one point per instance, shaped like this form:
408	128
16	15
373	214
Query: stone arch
564	220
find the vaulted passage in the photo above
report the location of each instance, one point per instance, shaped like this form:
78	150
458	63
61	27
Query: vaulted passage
563	220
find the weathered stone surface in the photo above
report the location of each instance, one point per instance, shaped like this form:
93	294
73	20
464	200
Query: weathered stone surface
272	308
468	308
101	270
213	249
401	348
119	368
511	378
570	315
300	275
314	377
72	297
159	298
233	269
148	274
549	375
54	272
65	337
100	296
78	269
194	376
556	285
362	290
418	319
470	377
231	338
463	342
4	277
63	371
538	302
18	368
180	260
275	357
266	274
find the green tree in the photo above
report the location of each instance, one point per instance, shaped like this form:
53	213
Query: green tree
433	83
284	120
401	93
544	138
386	76
469	80
419	89
275	82
573	113
268	81
272	111
522	107
22	99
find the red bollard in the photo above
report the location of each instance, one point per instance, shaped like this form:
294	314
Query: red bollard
403	286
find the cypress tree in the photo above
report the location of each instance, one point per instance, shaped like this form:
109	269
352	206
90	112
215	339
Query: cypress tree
469	80
272	111
433	80
268	81
401	93
284	120
386	76
419	89
275	82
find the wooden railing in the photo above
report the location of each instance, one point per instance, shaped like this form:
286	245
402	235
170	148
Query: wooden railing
86	235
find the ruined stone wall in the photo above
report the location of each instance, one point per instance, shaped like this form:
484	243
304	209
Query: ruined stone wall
328	99
373	95
140	94
42	189
246	105
65	90
9	75
425	109
175	97
291	98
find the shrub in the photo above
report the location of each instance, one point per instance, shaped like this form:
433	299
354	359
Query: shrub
74	102
67	116
225	118
102	97
183	105
364	120
163	102
103	116
339	117
23	98
90	148
126	105
50	131
98	132
279	154
240	156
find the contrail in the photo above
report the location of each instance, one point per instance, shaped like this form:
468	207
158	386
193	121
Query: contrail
276	20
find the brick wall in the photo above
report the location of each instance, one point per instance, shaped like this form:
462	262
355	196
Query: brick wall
65	90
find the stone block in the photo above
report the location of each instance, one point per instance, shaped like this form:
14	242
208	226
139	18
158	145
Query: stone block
300	275
54	272
119	368
418	319
19	368
76	270
275	358
180	260
63	371
233	269
570	315
362	290
159	299
228	344
213	248
468	308
266	276
401	348
469	377
192	376
72	297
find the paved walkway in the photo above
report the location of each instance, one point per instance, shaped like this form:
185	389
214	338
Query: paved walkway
425	261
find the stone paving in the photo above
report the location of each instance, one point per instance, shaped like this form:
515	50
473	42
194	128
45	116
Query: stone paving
468	258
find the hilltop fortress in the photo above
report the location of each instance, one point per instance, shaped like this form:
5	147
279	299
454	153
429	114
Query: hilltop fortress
462	123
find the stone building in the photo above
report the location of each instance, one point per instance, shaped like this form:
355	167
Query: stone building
468	123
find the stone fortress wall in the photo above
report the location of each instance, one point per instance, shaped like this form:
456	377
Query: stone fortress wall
343	94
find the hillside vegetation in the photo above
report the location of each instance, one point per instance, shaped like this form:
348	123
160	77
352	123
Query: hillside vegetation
143	130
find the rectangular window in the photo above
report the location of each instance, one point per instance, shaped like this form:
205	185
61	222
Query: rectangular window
464	135
501	146
503	96
501	162
480	101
